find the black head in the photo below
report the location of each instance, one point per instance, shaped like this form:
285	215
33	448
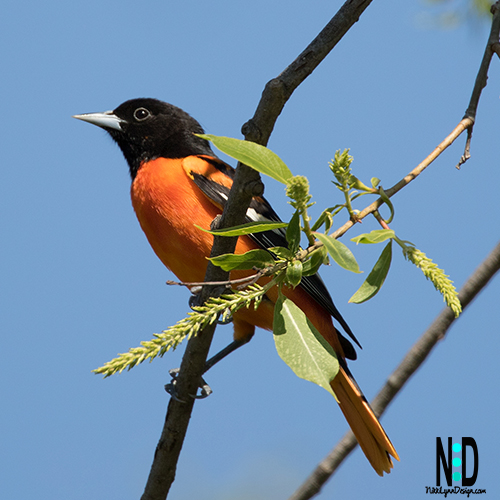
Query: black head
146	129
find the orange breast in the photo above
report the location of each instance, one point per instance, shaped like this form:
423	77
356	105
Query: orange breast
168	204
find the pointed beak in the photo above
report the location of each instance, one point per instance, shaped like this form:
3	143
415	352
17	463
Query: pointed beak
106	120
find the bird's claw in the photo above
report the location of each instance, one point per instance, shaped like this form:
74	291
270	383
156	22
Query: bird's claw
171	388
194	300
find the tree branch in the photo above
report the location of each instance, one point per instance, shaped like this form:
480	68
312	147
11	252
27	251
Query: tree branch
246	184
482	77
278	90
401	375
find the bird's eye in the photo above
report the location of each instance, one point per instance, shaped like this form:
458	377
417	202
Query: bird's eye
141	114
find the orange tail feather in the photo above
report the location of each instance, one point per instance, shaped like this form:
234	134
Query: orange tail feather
370	435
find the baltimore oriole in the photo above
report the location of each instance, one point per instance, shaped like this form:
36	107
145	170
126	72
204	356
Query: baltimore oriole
177	182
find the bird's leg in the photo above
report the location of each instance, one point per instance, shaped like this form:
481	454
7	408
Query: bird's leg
235	344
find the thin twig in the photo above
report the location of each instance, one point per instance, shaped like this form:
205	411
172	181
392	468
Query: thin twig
466	154
482	74
482	77
380	220
227	283
401	375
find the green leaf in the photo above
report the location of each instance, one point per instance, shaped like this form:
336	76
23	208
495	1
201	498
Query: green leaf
254	155
253	258
375	182
301	346
376	236
314	262
388	202
293	232
357	184
282	252
248	228
376	278
326	218
294	273
321	220
339	252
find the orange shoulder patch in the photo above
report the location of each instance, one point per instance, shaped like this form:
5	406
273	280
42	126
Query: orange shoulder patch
199	165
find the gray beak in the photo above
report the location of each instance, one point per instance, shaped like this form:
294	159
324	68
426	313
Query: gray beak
105	120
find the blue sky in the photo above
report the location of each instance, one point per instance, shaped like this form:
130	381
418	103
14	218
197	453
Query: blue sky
80	283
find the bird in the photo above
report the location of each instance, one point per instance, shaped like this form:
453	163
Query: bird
179	182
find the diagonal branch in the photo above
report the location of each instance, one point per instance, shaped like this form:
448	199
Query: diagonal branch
482	74
401	375
246	184
492	46
278	90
